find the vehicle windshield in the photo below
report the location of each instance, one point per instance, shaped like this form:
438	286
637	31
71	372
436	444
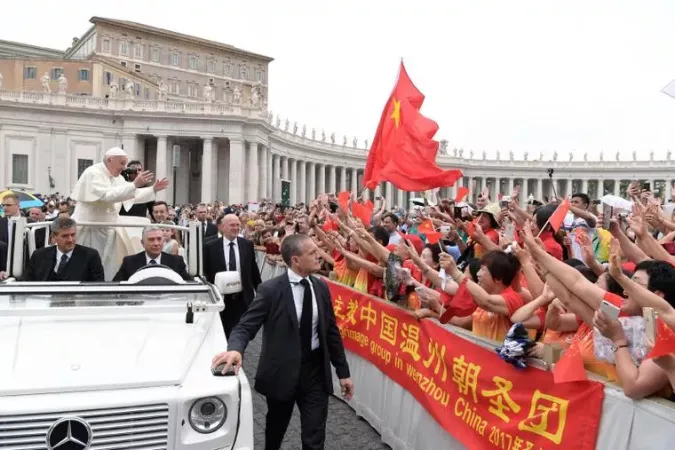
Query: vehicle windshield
94	299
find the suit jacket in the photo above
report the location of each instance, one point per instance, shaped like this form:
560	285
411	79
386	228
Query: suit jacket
84	265
211	230
280	357
214	262
131	264
3	256
39	234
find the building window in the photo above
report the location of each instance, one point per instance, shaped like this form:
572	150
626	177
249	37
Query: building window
138	51
243	73
108	78
227	69
194	62
173	87
139	89
57	72
260	76
84	74
137	68
123	63
122	83
30	73
191	90
154	54
211	66
174	59
106	45
82	165
124	48
147	93
19	169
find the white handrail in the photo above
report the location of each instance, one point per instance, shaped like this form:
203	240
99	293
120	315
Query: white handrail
107	311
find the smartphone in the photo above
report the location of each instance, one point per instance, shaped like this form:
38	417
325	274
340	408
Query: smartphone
457	212
607	212
609	310
646	186
596	202
504	202
445	229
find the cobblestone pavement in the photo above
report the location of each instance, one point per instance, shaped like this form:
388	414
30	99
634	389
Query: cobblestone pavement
345	431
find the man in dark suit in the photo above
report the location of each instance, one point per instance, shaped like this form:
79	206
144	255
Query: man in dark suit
232	252
153	242
300	341
209	230
65	261
10	206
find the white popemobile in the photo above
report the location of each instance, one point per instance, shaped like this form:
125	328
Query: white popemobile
117	365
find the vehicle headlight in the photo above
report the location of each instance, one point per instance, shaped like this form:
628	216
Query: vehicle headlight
207	414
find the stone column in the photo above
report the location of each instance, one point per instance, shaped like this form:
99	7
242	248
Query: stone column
388	194
236	184
252	194
276	176
511	185
311	173
540	189
343	179
294	182
355	181
584	186
284	170
264	168
617	187
303	182
332	185
669	191
321	181
161	165
207	166
400	194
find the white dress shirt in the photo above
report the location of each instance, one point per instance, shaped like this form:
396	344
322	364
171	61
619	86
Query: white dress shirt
158	260
226	249
59	254
298	293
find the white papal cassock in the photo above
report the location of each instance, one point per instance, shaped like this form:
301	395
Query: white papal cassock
99	196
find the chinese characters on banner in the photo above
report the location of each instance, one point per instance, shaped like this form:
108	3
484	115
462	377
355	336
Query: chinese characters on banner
478	398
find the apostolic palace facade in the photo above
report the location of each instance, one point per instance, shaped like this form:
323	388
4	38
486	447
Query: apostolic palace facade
195	111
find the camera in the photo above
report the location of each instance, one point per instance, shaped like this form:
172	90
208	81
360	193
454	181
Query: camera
550	172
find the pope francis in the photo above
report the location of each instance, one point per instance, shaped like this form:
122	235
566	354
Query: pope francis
99	193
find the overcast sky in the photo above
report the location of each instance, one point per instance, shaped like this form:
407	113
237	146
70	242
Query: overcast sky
532	76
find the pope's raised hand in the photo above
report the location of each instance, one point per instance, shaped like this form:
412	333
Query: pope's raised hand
143	178
160	185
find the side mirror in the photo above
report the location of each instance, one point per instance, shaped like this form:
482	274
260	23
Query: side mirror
228	282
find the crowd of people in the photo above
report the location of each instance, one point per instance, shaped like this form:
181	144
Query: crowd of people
482	265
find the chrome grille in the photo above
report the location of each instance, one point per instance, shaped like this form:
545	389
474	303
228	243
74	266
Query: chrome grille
143	427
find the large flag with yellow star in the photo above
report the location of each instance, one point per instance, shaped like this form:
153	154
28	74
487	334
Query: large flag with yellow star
404	151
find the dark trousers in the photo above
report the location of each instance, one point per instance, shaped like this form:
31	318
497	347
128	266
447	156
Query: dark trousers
235	307
312	399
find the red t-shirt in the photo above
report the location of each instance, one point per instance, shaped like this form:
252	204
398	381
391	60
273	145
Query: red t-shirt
551	245
495	326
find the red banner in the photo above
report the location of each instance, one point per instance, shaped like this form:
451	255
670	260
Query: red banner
479	399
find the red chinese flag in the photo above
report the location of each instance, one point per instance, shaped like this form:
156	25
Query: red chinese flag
363	212
461	193
433	237
343	199
571	366
665	340
426	227
558	217
461	304
329	225
403	151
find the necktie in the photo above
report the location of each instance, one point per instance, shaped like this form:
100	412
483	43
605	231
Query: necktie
153	262
232	263
62	264
306	319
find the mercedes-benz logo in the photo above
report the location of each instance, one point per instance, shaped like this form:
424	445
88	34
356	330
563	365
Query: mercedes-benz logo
69	433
